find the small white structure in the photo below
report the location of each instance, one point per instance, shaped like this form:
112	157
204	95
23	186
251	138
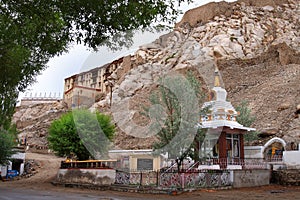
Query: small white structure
16	163
224	139
290	159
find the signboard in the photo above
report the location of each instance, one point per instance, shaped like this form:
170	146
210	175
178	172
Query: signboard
12	173
144	164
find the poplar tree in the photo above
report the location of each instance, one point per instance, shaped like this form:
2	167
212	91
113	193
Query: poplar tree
181	99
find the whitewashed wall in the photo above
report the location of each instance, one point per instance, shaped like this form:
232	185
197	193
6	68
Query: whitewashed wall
291	159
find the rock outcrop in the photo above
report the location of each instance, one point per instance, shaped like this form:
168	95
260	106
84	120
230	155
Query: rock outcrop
256	47
33	122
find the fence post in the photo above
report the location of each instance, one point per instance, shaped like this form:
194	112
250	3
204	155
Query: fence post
141	178
157	174
182	180
207	179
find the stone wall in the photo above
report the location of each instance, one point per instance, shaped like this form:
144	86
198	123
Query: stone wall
250	178
34	101
286	177
87	176
208	11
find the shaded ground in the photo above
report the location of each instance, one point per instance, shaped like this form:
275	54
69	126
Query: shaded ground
39	187
46	191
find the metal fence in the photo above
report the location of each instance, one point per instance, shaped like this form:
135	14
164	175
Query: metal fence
89	164
182	180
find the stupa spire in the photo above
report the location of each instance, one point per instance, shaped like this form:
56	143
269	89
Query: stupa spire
217	77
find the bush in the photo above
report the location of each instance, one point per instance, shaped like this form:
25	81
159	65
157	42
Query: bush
82	133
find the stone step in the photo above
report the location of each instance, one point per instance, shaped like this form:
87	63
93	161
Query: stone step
120	188
141	189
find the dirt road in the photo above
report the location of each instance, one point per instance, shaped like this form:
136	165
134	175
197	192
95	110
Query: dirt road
40	185
49	165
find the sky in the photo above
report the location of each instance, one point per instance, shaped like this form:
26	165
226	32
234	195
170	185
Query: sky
79	58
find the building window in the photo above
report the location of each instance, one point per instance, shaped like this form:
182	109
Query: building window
233	145
144	164
125	162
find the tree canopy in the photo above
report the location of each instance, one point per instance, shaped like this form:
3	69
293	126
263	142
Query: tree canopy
33	31
82	133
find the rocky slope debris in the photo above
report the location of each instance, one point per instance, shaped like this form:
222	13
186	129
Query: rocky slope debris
33	122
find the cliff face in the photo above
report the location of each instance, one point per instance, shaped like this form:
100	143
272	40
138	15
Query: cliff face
255	45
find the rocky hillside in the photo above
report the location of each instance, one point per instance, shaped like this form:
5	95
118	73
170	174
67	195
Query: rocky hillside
272	88
255	45
34	120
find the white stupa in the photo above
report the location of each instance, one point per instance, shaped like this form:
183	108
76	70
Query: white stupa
221	112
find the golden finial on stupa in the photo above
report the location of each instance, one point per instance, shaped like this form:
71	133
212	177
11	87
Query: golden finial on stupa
217	77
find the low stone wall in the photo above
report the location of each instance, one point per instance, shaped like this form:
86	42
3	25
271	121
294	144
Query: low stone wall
93	178
209	11
286	177
170	180
250	178
87	176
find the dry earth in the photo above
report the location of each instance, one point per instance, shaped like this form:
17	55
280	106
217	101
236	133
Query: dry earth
50	164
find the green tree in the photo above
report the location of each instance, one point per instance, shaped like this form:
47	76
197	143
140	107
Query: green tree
7	139
178	134
6	143
246	118
82	133
33	31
